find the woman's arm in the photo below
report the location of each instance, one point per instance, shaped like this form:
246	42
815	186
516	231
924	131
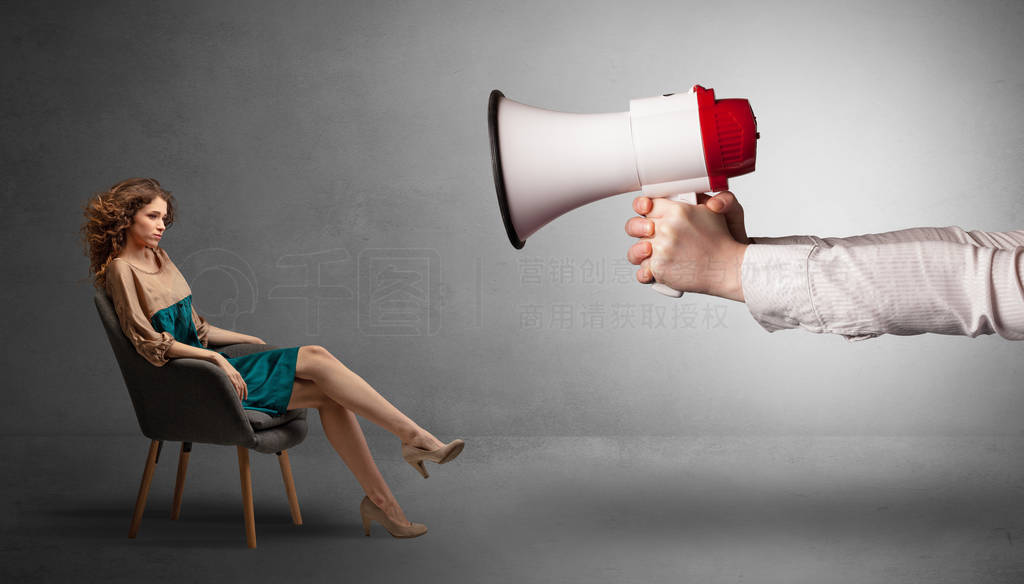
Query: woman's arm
178	349
185	350
219	336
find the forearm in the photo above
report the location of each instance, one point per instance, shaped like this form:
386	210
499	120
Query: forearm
178	349
219	336
952	234
904	288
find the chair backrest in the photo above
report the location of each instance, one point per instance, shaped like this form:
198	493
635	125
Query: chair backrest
184	400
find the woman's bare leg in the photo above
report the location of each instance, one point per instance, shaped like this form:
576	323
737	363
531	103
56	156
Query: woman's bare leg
331	392
345	435
343	386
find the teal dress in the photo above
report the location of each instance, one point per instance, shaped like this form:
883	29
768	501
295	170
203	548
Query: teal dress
268	375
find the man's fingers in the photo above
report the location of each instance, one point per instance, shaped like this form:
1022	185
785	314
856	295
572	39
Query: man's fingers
733	211
643	275
638	252
642	205
639	227
661	207
724	202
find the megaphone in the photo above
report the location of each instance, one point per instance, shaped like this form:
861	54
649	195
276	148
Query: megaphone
676	145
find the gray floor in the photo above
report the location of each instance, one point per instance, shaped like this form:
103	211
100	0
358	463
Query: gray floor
695	509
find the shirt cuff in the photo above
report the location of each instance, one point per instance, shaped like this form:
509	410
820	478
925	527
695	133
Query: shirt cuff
775	287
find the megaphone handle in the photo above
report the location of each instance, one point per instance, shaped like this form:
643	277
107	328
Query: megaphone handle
690	199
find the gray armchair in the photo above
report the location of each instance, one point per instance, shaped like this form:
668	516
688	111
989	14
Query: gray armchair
190	400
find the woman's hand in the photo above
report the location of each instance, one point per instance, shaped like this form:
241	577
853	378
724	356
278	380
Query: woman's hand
255	340
692	248
234	376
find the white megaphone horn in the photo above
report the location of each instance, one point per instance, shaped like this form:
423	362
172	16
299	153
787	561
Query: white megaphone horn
547	163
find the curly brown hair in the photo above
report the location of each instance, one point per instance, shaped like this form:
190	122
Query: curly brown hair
109	215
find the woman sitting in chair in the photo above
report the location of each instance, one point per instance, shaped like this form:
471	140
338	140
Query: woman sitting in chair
153	301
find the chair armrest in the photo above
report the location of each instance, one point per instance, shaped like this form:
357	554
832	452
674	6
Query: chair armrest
190	400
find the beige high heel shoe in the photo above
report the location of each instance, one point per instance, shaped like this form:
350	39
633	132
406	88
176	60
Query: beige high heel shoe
415	455
371	512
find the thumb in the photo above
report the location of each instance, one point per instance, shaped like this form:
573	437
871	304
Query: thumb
725	203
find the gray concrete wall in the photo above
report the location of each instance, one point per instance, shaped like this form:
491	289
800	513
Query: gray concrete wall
317	149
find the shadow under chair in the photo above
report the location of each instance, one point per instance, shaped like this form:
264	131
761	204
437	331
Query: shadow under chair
191	400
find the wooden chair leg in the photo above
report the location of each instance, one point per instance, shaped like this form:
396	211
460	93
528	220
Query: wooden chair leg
179	484
147	478
289	486
246	476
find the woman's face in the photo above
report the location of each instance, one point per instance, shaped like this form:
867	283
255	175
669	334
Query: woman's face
148	223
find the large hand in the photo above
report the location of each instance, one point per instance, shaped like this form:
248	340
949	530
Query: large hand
690	247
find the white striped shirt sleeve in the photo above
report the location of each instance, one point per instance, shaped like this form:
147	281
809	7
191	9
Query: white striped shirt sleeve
922	280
